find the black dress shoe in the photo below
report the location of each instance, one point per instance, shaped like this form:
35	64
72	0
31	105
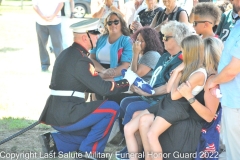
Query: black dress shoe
48	144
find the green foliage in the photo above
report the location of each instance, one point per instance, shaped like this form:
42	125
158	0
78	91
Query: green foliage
11	123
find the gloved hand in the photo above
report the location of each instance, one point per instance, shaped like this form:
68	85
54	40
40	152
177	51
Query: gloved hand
129	75
137	81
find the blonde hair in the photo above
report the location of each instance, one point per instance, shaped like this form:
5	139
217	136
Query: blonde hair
193	55
212	49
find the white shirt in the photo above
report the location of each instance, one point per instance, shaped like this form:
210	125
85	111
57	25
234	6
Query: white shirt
48	7
104	54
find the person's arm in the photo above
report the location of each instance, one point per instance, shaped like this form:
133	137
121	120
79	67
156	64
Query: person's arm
208	111
227	74
176	73
183	17
58	9
72	7
140	69
99	14
98	66
197	79
115	72
37	10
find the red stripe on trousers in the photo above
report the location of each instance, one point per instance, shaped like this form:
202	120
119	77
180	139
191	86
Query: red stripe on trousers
109	125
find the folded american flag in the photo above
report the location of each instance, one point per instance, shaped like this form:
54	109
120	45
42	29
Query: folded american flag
140	83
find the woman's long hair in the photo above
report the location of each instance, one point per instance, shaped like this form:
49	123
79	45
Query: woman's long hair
193	55
124	29
212	49
151	38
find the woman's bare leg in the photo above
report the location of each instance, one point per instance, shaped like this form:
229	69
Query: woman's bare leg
158	126
129	130
145	123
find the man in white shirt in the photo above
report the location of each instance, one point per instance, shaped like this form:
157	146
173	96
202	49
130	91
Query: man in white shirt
48	23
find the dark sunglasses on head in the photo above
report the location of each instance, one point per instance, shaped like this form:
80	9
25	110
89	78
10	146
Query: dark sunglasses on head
196	22
166	38
109	23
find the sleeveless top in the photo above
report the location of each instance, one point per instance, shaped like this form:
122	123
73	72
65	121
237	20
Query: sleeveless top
198	89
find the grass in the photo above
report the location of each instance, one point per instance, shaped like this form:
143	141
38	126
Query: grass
19	123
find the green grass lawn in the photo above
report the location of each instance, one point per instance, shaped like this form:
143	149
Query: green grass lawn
11	123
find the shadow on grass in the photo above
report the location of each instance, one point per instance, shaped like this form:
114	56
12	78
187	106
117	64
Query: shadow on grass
8	49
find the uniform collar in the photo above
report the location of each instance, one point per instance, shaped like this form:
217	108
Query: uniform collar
80	47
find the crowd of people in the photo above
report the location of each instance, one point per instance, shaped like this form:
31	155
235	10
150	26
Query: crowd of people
191	62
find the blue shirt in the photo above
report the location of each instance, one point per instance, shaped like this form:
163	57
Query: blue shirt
120	51
231	90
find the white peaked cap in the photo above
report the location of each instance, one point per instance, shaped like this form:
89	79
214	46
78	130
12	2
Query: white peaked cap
90	26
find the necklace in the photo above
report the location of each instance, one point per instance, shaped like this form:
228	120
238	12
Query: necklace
163	17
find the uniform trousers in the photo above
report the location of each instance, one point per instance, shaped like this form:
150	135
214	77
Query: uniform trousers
43	32
89	134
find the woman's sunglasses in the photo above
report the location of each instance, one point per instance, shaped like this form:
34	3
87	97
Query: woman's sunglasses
166	38
109	23
196	22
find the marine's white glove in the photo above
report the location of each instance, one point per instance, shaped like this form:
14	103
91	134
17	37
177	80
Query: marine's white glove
137	81
129	75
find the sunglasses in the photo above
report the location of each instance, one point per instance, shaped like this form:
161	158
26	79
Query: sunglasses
109	23
166	38
196	22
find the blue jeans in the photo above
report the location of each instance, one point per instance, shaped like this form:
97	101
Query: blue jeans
89	134
129	105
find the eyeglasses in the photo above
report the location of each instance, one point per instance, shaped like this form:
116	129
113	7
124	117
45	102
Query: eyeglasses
109	23
196	22
166	38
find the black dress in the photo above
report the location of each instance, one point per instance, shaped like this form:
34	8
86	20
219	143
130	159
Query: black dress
171	110
183	136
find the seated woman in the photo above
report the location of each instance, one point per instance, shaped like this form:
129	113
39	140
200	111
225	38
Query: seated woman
147	49
174	33
113	51
183	137
146	15
173	107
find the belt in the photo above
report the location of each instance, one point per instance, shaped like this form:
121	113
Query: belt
67	93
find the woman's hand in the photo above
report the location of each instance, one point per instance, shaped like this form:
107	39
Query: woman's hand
137	48
135	25
108	73
139	91
185	90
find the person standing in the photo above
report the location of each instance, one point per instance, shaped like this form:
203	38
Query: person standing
228	78
48	23
228	20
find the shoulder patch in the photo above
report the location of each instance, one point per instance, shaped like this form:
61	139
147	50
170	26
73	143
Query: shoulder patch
92	70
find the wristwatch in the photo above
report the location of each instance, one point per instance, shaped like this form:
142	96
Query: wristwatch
191	100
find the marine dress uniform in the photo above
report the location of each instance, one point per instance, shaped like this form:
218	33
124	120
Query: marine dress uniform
82	126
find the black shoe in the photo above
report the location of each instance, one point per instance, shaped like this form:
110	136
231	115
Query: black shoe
51	49
48	144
